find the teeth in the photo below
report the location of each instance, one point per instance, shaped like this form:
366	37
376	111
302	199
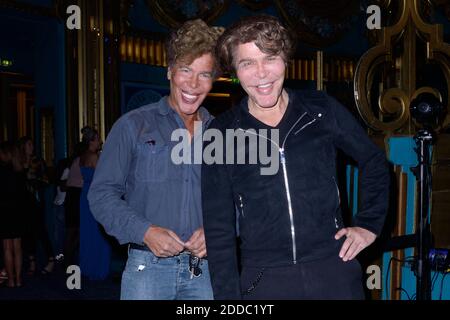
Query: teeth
263	86
188	96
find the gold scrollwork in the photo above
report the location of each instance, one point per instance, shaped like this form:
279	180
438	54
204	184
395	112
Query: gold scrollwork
394	100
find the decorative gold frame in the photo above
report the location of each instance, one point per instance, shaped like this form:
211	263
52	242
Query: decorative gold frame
159	11
396	100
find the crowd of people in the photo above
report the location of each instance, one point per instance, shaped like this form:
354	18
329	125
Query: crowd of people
26	185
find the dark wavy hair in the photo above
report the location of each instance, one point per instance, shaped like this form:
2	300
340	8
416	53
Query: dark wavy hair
268	34
88	134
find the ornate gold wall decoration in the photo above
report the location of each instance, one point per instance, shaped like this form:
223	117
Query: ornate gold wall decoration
172	13
386	78
137	49
319	23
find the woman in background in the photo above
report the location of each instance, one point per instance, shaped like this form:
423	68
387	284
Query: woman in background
36	182
12	192
95	251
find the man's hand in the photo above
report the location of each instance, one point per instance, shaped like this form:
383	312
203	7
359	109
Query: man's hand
163	242
196	244
357	240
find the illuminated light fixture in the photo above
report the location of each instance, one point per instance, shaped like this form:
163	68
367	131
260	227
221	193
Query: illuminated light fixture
232	80
219	95
5	63
223	79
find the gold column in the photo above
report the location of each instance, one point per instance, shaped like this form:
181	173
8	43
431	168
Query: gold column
82	80
130	48
305	70
21	113
101	75
319	70
123	48
158	53
151	52
144	59
137	50
91	67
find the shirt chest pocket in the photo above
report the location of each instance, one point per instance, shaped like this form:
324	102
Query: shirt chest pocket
152	163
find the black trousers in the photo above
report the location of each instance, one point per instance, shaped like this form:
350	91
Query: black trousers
37	230
72	220
325	279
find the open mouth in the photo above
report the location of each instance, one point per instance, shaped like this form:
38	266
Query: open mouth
189	98
264	88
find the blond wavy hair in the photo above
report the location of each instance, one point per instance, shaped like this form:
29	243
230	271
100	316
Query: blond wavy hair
192	40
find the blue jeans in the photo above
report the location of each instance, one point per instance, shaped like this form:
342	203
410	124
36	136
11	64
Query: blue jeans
147	277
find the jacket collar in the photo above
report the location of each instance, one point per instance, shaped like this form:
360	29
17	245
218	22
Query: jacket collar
298	100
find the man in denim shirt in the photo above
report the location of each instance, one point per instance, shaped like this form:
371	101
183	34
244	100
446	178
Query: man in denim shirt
142	197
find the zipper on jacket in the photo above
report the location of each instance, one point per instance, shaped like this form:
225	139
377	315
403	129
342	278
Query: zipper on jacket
241	205
337	190
339	201
291	213
287	189
286	178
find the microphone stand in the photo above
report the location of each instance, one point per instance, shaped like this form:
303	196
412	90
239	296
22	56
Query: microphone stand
424	140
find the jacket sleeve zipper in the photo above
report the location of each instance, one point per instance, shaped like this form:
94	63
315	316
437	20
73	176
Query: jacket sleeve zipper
241	205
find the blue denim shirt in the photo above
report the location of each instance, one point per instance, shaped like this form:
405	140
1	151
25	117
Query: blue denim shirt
137	185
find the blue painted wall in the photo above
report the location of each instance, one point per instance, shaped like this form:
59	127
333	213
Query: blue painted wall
43	3
36	47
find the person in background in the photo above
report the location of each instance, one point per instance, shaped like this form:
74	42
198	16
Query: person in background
12	192
95	250
62	173
36	181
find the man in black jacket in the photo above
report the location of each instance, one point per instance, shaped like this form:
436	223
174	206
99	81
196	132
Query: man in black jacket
293	244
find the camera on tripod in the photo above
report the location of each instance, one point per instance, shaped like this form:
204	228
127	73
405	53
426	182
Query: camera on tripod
428	112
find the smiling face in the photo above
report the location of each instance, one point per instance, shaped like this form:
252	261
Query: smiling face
189	84
261	75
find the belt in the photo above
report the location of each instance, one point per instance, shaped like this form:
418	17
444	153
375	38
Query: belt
145	248
139	247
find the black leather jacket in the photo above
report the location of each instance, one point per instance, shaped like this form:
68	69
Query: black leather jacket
292	216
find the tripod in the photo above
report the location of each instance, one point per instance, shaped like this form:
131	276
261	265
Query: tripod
424	140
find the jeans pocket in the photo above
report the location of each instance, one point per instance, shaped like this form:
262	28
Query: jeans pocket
152	162
135	265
